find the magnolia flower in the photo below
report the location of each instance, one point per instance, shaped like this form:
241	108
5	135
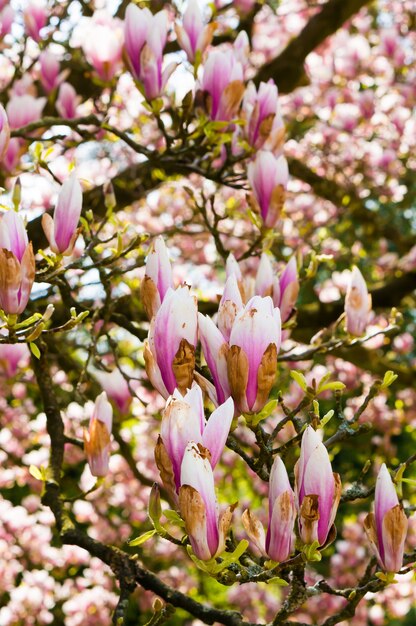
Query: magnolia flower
317	489
223	84
215	349
386	528
35	17
116	387
22	110
103	44
12	355
357	304
67	101
230	303
97	437
268	176
4	132
6	20
169	352
263	119
252	358
145	37
184	421
17	264
194	35
49	71
283	290
198	505
61	231
157	277
279	542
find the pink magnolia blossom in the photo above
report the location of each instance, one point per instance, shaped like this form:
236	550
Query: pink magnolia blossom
317	489
264	124
103	44
279	542
231	302
170	350
198	504
17	264
357	304
223	85
12	154
386	528
97	437
61	231
12	356
268	177
252	358
215	348
35	17
157	278
194	36
6	20
283	290
49	71
184	421
116	388
4	133
67	101
22	110
145	37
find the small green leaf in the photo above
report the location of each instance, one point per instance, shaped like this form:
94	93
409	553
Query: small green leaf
36	472
389	378
277	581
174	518
335	386
34	350
300	379
139	540
327	417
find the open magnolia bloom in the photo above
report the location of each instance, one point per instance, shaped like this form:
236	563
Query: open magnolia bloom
357	304
169	352
184	421
386	528
317	489
206	528
97	437
279	542
17	264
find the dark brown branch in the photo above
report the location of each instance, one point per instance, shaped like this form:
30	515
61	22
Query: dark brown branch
287	69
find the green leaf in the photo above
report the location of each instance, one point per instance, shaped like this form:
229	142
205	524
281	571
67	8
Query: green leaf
389	378
139	540
327	417
174	518
335	386
265	412
34	350
36	472
277	581
300	379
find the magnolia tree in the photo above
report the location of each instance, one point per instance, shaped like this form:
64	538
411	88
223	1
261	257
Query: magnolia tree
207	260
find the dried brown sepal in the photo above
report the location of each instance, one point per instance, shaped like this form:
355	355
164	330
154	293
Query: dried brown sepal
183	366
266	126
10	273
266	376
255	531
237	370
309	517
96	438
193	512
232	96
223	527
394	530
165	468
150	296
